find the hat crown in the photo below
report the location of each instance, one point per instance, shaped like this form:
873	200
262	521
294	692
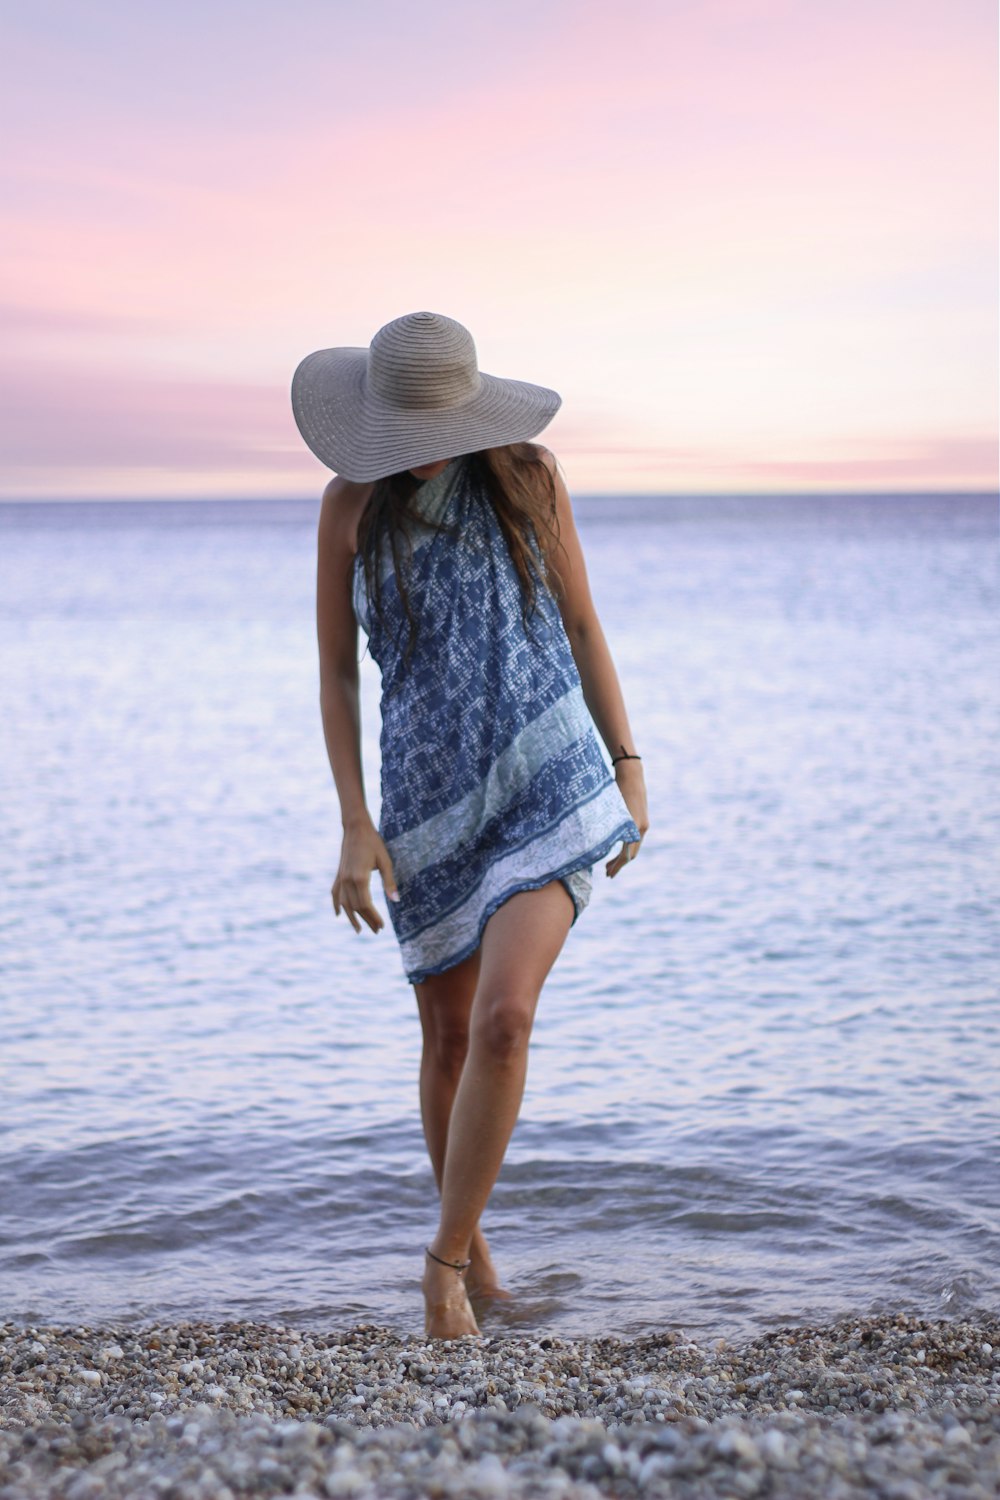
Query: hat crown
424	362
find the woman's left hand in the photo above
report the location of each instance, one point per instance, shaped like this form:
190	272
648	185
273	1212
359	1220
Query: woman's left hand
632	785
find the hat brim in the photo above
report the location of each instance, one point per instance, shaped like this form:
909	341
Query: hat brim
361	437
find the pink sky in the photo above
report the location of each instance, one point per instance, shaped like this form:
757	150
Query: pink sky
752	242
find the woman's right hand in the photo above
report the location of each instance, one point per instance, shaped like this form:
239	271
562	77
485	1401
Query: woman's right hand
361	852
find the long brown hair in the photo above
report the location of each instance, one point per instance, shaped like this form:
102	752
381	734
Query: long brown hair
522	490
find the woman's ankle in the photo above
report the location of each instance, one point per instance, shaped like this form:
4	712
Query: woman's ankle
454	1252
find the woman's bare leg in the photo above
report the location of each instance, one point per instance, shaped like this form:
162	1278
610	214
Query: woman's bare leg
445	1005
520	944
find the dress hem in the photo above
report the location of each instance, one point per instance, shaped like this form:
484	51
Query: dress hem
529	838
579	862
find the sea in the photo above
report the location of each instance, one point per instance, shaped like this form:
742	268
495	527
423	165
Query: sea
764	1078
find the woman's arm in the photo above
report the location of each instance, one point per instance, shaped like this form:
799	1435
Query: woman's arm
601	689
362	849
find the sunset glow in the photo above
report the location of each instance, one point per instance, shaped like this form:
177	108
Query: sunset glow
752	242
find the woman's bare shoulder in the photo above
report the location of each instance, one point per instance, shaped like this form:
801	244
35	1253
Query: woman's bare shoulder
547	457
340	511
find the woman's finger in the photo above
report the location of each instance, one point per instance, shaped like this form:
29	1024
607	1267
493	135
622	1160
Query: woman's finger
360	902
372	916
353	896
386	871
349	902
625	855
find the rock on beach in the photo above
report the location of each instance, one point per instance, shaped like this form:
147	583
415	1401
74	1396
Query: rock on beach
891	1406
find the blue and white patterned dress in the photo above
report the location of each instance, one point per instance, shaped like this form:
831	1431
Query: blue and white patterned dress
493	780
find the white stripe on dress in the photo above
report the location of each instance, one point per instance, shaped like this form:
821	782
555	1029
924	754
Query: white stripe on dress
556	728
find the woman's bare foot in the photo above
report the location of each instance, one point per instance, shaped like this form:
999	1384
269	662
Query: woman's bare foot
481	1278
448	1312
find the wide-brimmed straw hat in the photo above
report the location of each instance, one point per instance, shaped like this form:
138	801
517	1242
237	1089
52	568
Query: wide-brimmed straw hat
415	396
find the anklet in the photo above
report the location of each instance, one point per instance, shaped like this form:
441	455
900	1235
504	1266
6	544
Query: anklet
456	1265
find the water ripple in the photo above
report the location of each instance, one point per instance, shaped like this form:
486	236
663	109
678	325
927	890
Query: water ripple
763	1074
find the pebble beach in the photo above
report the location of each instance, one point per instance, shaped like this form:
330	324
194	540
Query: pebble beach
891	1406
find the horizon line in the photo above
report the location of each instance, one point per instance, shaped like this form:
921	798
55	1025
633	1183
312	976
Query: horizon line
686	494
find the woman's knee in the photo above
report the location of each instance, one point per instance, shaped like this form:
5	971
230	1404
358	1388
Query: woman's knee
502	1023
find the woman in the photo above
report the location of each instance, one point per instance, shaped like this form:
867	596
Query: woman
450	538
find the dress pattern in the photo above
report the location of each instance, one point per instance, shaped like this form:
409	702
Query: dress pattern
492	777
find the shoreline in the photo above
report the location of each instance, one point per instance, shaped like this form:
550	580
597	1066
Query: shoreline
890	1405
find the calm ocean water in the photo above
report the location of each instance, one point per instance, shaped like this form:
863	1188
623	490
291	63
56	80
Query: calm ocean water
765	1076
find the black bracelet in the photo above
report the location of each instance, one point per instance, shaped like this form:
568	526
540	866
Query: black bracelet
624	756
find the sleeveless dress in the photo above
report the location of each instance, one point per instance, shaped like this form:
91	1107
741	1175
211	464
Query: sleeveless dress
492	777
